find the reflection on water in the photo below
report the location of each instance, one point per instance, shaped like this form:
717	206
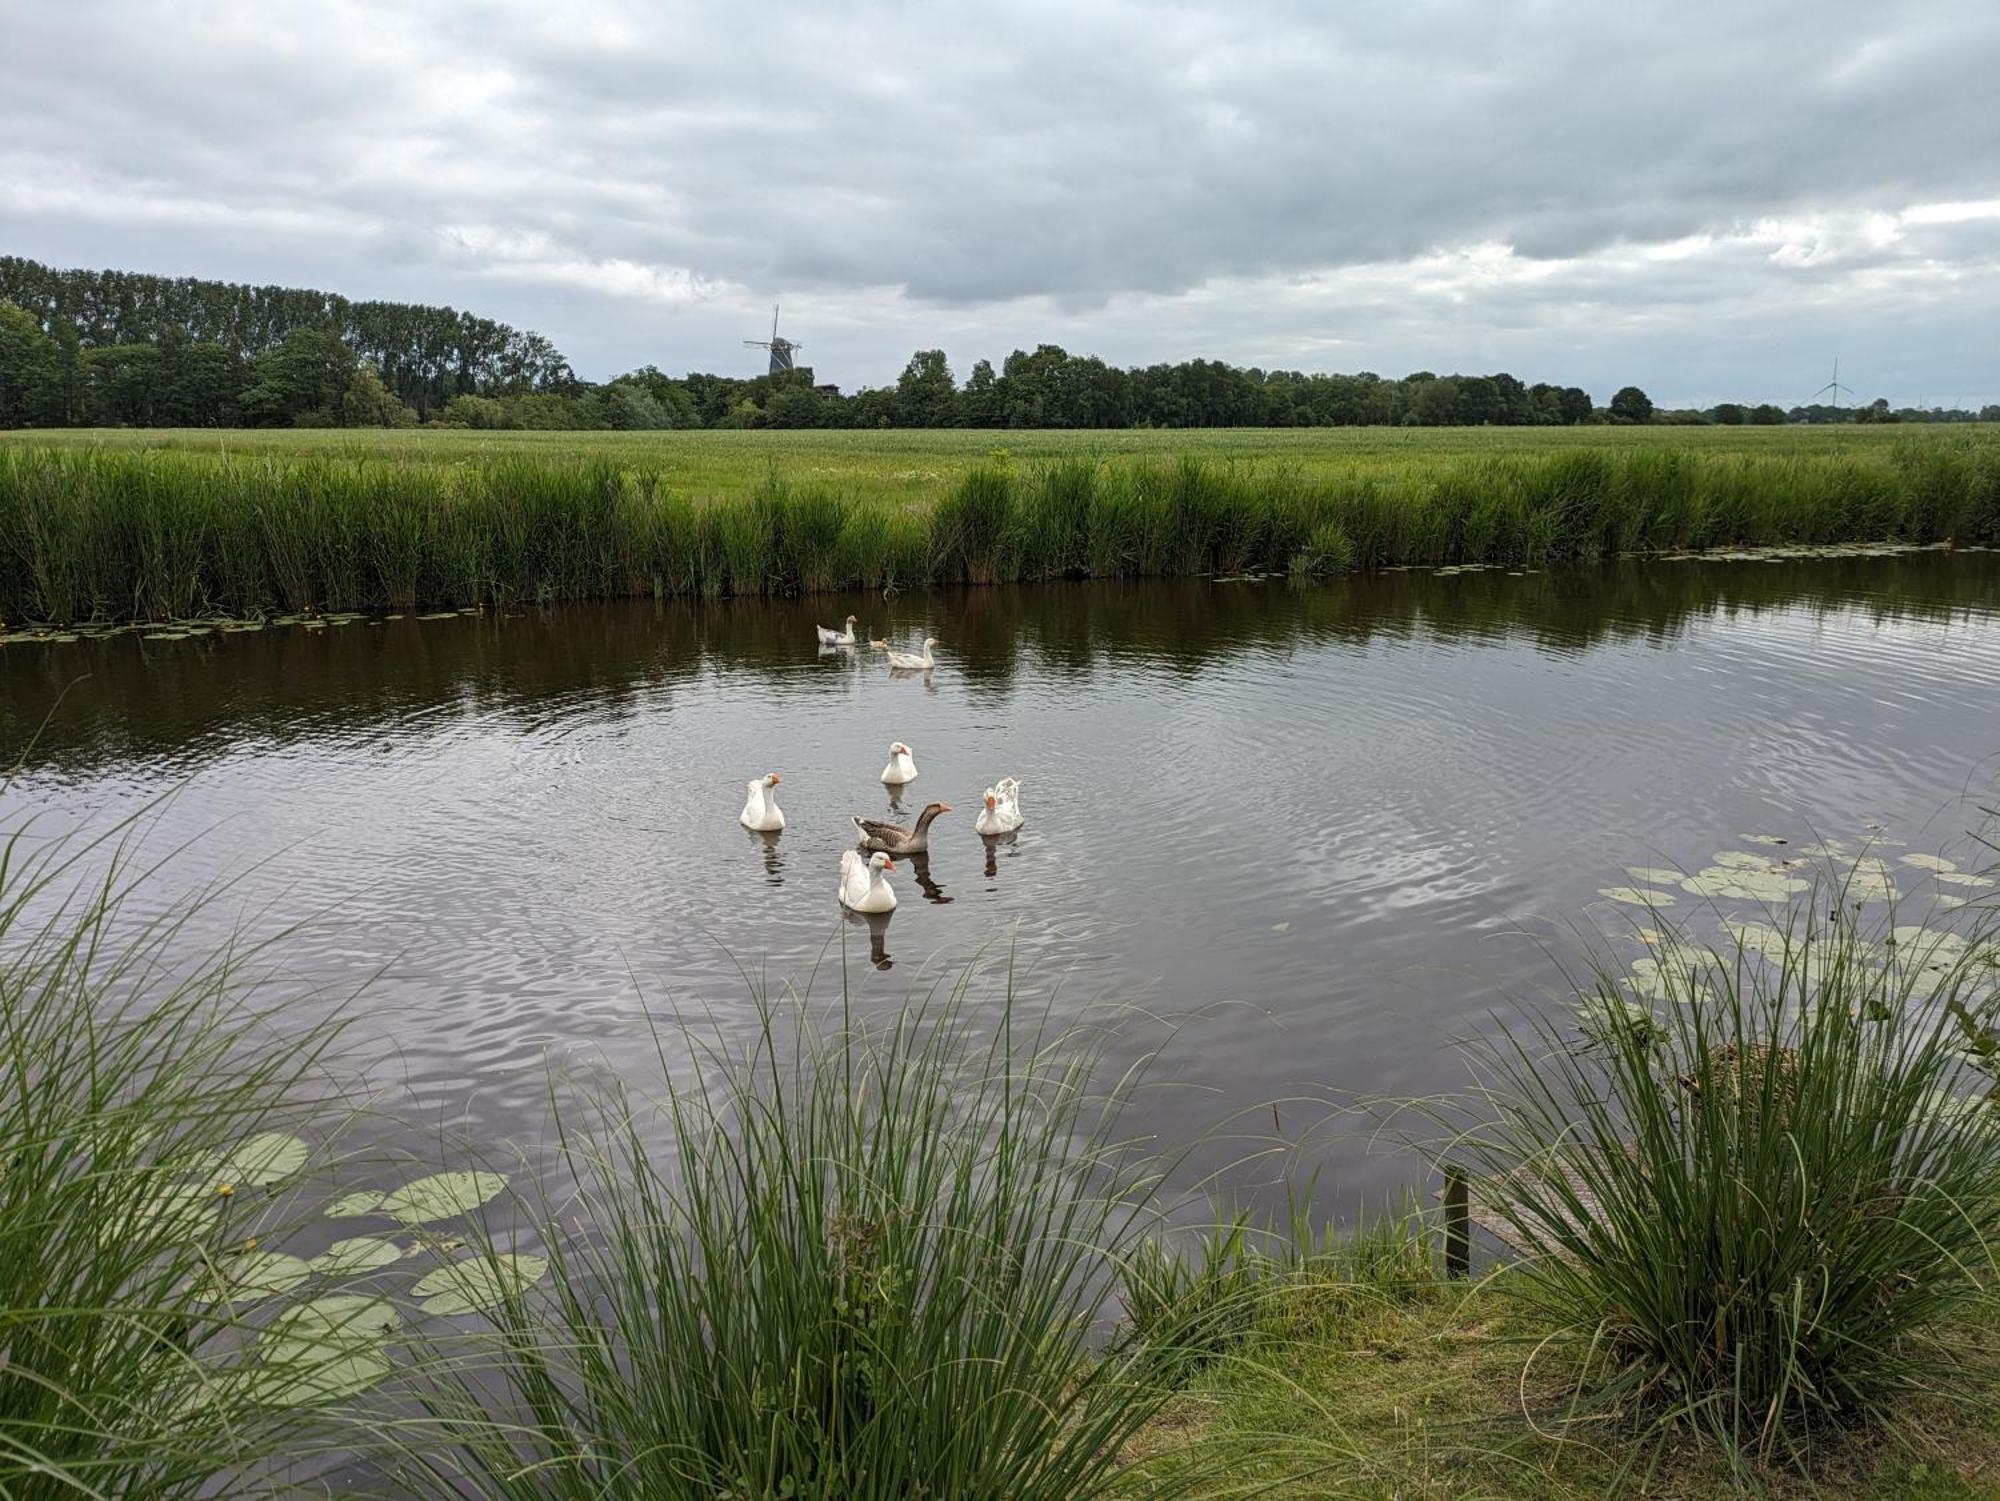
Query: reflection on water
1328	812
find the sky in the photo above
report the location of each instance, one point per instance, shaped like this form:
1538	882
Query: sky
1715	201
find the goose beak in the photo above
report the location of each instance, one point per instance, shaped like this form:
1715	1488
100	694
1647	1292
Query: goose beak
774	779
944	807
991	800
888	864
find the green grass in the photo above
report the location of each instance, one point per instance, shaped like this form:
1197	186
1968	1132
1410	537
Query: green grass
869	1263
136	526
1760	1197
146	1107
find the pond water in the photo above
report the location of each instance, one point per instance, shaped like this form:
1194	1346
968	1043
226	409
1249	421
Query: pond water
1330	827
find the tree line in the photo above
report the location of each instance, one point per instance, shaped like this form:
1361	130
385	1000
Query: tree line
124	348
119	349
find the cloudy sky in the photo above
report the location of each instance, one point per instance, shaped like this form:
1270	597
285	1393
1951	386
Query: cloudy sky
1713	200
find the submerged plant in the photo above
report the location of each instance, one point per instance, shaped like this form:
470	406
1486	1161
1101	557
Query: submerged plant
1761	1194
869	1263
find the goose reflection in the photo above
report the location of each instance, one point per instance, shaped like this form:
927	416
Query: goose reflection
774	856
920	867
878	936
895	798
994	843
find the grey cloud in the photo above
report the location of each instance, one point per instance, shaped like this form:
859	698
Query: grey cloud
1085	170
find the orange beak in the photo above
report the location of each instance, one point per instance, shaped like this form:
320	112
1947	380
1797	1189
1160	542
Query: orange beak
775	779
888	864
991	800
944	807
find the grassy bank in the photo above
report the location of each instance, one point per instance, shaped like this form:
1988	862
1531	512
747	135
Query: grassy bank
125	530
1758	1207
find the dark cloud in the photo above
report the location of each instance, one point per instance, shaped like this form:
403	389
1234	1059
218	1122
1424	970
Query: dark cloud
1309	185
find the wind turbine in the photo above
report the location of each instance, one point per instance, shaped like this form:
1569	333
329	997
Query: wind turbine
781	349
1833	385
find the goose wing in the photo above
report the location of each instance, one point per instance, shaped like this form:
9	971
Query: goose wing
881	830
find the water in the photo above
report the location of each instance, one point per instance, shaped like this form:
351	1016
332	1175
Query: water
1327	828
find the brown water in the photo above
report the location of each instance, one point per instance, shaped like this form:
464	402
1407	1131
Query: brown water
1336	822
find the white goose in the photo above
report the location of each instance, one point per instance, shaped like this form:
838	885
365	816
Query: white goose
842	637
760	809
907	662
1002	813
902	766
862	888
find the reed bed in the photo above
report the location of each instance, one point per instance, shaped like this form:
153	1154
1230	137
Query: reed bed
1759	1204
112	533
146	1103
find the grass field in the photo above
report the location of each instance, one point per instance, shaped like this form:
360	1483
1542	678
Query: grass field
914	465
177	525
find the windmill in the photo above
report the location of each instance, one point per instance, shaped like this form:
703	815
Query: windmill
781	349
1833	385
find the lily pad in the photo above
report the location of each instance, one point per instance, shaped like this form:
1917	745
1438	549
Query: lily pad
363	1201
1929	862
1745	860
340	1324
1766	839
255	1275
1636	896
1964	878
267	1158
441	1196
479	1282
356	1254
312	1383
1743	885
1654	875
163	636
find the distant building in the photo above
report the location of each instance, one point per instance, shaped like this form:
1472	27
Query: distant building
826	390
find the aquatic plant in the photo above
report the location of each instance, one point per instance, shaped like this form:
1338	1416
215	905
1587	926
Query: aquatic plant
148	1122
117	533
1759	1182
868	1262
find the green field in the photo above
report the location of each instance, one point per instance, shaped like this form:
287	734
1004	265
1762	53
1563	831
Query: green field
914	465
175	525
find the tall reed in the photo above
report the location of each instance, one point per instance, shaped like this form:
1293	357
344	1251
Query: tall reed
121	534
136	1086
868	1264
1763	1197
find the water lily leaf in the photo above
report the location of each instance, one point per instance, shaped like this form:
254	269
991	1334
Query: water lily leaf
1281	927
1654	875
161	636
1743	885
309	1384
440	615
267	1158
1745	860
339	1324
1964	878
478	1283
356	1254
362	1201
1929	862
1765	839
1826	849
254	1275
441	1196
1636	896
1947	900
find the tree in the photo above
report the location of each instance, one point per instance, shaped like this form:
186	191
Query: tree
29	374
1631	405
925	391
1728	413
